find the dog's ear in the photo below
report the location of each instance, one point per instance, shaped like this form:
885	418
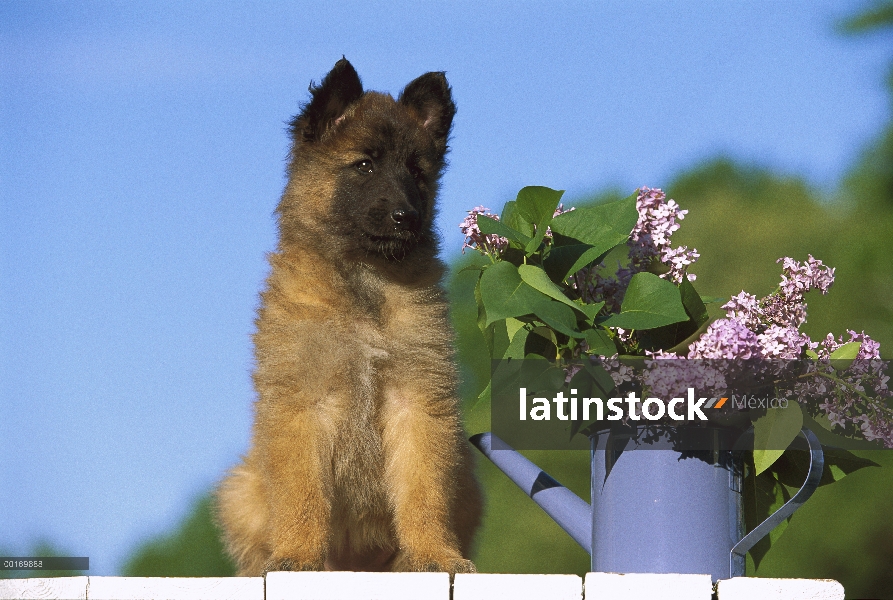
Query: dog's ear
338	90
431	97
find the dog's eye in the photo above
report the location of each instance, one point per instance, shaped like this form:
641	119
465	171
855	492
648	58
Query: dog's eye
365	166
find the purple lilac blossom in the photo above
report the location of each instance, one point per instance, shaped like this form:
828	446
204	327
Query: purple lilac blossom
799	279
669	375
473	236
782	342
726	338
746	309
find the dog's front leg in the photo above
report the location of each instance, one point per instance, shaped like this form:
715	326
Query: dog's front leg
421	463
299	489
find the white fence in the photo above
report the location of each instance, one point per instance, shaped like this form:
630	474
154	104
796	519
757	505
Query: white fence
421	586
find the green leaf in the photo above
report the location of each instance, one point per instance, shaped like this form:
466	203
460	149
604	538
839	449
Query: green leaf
649	302
483	399
782	496
557	316
489	225
536	278
692	302
482	312
811	354
564	261
843	357
536	204
763	495
512	326
590	310
602	386
541	342
583	236
682	347
839	463
836	472
504	294
499	341
599	342
602	226
792	467
847	352
514	220
712	299
773	433
822	421
603	383
673	335
470	268
518	343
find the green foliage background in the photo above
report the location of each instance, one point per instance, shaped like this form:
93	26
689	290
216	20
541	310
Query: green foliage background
194	549
742	218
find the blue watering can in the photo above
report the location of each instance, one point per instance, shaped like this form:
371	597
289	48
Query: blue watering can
657	510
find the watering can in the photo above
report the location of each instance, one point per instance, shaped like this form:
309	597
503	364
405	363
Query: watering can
658	510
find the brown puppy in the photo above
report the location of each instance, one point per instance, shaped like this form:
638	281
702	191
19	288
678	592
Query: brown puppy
358	461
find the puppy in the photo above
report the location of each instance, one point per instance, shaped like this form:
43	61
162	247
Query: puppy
358	458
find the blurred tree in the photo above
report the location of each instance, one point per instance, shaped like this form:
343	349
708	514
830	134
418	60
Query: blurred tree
877	16
871	180
194	549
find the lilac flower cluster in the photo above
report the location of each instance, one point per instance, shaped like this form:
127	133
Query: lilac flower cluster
782	342
669	375
767	328
649	243
486	244
726	338
853	394
785	307
797	279
650	238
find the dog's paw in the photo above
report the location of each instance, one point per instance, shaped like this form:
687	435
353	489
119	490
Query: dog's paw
451	565
459	565
289	564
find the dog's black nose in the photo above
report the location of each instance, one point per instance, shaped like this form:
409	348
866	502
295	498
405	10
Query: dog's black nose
403	217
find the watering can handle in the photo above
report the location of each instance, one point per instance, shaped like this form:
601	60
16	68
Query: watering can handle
816	466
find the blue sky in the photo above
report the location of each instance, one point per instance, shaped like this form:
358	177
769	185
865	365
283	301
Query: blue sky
142	152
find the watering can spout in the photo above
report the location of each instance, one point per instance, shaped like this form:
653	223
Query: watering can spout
565	507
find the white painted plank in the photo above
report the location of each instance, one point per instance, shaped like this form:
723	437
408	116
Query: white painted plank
751	588
67	588
175	588
635	586
497	586
350	585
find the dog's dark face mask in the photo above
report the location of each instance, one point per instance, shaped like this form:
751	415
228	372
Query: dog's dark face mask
385	158
384	202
